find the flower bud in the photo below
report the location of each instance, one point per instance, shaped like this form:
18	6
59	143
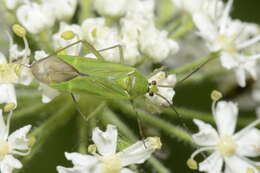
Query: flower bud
19	30
92	149
9	107
216	95
192	164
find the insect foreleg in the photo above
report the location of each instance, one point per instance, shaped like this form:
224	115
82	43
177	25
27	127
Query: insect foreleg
121	53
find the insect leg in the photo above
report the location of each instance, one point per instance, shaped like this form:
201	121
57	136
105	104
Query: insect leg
121	53
87	45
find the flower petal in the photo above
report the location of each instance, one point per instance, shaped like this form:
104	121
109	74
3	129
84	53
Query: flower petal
18	139
9	163
48	93
105	141
2	126
207	135
226	117
228	60
126	170
7	93
81	159
249	144
238	165
62	169
213	164
206	27
241	77
2	58
138	152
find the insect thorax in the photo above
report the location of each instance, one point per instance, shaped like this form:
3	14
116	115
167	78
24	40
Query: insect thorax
53	70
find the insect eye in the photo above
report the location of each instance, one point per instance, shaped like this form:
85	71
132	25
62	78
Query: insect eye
151	94
154	82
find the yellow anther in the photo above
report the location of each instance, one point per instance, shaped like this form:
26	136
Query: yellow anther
31	141
192	164
68	35
9	107
19	30
92	149
250	170
4	148
154	142
216	95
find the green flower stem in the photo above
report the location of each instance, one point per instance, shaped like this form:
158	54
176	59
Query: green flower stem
86	9
155	121
83	134
110	117
195	64
185	26
207	117
43	132
28	111
44	41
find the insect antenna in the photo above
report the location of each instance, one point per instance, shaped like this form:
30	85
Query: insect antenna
174	109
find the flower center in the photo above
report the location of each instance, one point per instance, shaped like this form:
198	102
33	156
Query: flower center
111	164
9	73
4	148
227	44
226	146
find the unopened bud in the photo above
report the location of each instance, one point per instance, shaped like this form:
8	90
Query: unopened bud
155	142
68	35
92	149
9	107
19	30
192	164
216	95
31	141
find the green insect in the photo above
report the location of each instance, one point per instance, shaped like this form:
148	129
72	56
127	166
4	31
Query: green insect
79	75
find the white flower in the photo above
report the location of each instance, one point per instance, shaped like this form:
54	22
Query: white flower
109	161
232	37
12	71
63	9
13	144
161	88
156	45
101	37
143	9
48	93
36	17
229	148
59	42
112	8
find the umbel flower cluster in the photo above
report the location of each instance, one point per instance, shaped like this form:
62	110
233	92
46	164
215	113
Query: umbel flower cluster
104	73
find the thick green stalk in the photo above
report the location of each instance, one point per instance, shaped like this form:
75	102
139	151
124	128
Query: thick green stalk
82	135
195	64
48	127
109	117
86	9
28	111
153	120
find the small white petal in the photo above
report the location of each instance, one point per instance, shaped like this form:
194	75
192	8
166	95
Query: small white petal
229	61
241	77
105	8
238	165
48	93
18	139
226	117
126	170
2	126
105	141
63	9
7	93
206	27
81	159
61	169
137	153
2	58
8	163
213	164
207	135
249	144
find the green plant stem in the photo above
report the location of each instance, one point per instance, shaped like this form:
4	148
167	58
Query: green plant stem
43	132
155	121
86	9
195	64
110	117
28	111
83	134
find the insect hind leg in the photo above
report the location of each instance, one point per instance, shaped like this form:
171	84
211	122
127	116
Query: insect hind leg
121	52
